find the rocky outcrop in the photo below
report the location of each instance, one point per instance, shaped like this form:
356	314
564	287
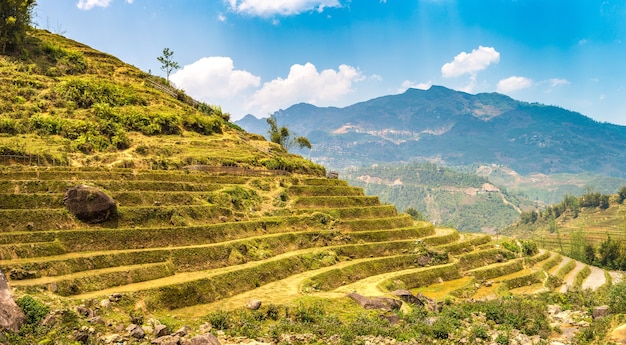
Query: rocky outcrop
11	316
89	204
384	303
417	300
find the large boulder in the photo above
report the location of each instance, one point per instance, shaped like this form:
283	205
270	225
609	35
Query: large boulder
383	303
11	316
89	204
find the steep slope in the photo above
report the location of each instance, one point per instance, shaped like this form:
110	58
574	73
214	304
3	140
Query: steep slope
458	129
66	104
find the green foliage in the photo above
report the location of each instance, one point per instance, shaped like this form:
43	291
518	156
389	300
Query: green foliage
15	18
622	195
34	310
529	248
415	214
65	61
167	62
283	137
617	298
85	92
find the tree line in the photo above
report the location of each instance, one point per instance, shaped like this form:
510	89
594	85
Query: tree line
572	204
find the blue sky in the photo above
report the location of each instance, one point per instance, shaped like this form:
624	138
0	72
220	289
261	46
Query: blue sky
258	56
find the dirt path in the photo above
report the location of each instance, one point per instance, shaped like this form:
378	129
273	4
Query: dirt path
616	277
569	278
557	267
595	279
277	292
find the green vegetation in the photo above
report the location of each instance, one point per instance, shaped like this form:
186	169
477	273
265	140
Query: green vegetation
15	18
283	137
167	63
441	195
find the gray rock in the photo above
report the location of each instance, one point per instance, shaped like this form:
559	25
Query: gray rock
161	330
253	304
407	297
600	311
112	339
384	303
105	303
89	204
97	320
205	339
11	316
82	335
116	297
183	331
166	340
135	331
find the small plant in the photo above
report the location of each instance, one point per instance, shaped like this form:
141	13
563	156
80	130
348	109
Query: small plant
34	310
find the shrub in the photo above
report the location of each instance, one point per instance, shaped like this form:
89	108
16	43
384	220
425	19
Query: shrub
35	311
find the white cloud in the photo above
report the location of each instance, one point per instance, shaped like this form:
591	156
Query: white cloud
86	5
407	84
471	63
305	84
514	83
267	8
221	17
130	1
213	79
554	82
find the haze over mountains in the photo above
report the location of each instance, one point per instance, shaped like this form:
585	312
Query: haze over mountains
456	128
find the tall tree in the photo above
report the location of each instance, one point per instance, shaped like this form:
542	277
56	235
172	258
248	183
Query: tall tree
167	63
15	18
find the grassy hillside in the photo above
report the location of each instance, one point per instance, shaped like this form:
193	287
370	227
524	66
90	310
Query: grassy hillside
209	218
581	227
64	103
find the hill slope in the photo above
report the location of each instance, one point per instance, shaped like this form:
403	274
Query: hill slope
208	217
66	104
458	129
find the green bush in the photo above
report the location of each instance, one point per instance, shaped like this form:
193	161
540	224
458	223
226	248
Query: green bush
86	92
34	310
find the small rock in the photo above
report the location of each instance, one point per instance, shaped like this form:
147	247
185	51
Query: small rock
161	330
183	331
254	304
116	297
81	335
166	340
600	311
554	309
135	331
112	339
96	320
105	303
84	311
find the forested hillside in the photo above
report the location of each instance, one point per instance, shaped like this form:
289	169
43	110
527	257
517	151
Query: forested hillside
463	200
590	228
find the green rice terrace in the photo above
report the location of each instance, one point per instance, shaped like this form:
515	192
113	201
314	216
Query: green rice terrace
216	236
187	245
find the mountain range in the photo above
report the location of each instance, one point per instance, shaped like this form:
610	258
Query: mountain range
455	128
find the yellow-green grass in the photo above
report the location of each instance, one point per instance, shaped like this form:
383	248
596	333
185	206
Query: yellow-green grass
465	245
414	278
324	190
497	269
484	257
335	201
440	290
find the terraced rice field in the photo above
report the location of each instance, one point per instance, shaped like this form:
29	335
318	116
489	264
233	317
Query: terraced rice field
189	242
